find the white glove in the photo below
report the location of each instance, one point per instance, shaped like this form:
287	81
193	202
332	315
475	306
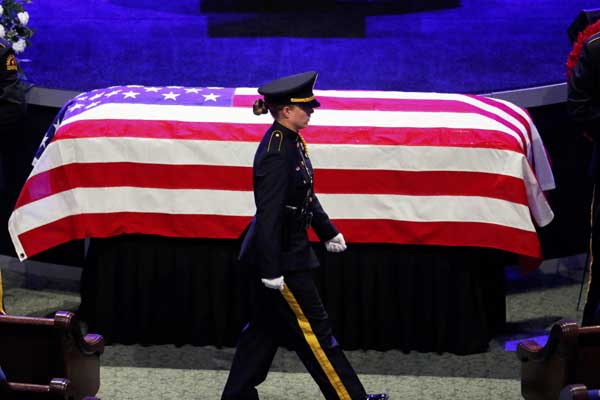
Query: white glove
337	244
275	283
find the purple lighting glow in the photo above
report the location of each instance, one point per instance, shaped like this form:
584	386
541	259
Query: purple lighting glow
512	344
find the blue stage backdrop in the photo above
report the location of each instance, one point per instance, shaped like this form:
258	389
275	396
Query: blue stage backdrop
477	47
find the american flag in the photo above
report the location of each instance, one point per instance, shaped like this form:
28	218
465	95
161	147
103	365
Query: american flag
390	167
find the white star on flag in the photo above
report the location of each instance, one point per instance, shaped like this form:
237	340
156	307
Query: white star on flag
193	90
130	95
152	89
76	106
211	96
112	93
171	95
97	96
94	104
45	139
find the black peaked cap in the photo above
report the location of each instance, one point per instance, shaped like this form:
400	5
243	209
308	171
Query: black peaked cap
293	89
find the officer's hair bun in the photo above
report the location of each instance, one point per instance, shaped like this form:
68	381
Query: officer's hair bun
260	107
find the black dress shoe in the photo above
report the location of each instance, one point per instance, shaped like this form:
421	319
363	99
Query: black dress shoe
378	396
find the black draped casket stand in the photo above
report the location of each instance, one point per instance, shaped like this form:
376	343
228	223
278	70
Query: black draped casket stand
157	290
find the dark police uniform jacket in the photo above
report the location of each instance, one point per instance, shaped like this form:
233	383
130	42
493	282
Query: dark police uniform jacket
583	100
12	111
10	89
276	240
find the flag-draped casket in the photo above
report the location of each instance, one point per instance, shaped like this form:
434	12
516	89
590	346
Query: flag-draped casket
390	167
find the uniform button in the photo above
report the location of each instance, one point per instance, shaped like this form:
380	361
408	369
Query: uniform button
310	199
298	168
304	181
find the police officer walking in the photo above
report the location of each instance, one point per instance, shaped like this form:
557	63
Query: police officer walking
286	306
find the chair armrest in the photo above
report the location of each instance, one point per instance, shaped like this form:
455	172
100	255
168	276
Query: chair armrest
92	343
528	349
89	344
562	341
58	386
574	392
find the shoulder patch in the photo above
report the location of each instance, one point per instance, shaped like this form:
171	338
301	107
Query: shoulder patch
11	63
275	141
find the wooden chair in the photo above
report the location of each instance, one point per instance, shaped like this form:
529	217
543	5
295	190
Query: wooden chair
49	355
58	389
571	356
579	392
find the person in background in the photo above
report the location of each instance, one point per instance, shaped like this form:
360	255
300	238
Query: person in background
583	106
286	306
12	116
12	112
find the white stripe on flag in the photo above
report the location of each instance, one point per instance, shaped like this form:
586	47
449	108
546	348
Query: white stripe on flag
427	209
326	156
241	203
130	199
147	151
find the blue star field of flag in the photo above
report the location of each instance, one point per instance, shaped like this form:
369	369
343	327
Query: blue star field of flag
165	95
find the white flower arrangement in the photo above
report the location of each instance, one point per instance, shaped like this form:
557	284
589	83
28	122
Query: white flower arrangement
13	24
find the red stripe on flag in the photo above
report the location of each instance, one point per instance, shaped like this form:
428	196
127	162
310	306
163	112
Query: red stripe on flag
377	104
159	129
105	225
170	176
430	183
221	227
409	105
421	183
441	136
473	234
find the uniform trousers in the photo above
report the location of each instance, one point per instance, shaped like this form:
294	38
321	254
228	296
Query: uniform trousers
295	318
591	311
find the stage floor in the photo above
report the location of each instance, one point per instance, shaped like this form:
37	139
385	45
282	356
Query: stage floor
533	305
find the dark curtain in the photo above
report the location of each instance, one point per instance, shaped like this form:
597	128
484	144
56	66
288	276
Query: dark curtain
156	290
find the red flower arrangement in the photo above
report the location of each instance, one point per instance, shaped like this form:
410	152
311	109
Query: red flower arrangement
578	45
